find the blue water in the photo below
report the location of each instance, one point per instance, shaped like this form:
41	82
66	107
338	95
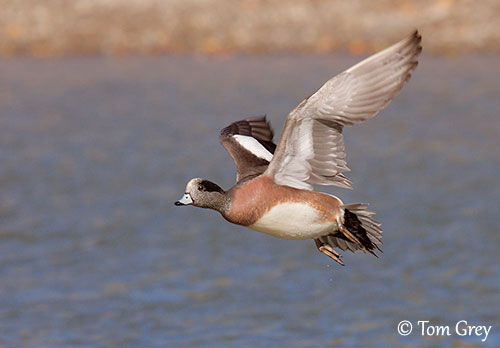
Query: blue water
93	253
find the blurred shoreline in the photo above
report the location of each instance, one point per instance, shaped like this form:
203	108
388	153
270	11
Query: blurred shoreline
224	27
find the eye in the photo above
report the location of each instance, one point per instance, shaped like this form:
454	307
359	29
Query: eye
201	188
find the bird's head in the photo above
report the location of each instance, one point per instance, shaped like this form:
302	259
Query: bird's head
201	193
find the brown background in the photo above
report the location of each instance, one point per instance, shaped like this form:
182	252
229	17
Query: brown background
61	27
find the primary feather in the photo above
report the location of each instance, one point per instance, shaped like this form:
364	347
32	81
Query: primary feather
311	147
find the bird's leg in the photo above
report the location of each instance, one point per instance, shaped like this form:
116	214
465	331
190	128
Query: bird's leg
329	251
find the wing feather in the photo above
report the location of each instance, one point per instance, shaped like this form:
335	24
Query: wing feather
250	144
311	148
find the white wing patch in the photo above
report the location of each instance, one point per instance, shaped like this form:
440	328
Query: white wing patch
252	145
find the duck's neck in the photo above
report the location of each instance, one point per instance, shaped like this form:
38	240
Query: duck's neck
221	202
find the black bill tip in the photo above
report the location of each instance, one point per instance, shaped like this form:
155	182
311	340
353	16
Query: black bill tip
178	204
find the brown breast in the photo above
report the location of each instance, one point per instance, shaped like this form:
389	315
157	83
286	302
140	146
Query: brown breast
252	199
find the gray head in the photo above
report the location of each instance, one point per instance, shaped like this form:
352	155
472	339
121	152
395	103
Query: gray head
204	194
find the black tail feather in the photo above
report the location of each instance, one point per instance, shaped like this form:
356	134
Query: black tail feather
357	230
353	225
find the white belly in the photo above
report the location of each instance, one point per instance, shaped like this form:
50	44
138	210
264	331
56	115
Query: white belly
293	221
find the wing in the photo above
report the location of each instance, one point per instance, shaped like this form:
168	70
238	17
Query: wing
311	147
250	144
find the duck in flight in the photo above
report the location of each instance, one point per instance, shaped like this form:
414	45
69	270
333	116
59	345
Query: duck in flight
274	193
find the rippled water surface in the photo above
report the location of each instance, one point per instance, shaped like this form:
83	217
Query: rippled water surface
94	151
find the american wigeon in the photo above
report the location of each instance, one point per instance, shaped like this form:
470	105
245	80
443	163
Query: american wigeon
273	192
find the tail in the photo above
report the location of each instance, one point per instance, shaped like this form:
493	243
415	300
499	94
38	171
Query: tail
357	230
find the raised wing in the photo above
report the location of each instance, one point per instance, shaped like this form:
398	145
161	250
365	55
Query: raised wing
311	147
250	144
